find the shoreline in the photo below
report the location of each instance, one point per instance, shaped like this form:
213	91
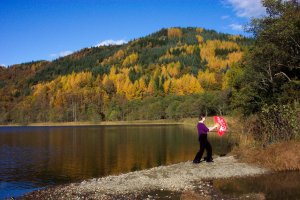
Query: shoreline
103	123
179	179
183	121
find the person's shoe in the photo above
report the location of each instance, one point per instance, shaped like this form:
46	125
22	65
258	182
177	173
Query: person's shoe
209	160
196	161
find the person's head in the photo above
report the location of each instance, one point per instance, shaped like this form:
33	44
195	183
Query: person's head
201	117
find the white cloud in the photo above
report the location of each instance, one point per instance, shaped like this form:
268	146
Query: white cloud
247	8
236	27
3	65
225	17
61	54
65	53
111	42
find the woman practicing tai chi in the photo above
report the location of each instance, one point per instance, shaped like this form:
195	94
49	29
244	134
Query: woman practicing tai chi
204	144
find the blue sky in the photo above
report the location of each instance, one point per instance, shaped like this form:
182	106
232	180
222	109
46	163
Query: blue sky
48	29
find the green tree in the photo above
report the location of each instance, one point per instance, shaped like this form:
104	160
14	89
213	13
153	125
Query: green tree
272	66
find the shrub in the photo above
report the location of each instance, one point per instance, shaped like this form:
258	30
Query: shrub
276	123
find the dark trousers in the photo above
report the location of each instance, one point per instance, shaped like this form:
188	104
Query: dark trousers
204	144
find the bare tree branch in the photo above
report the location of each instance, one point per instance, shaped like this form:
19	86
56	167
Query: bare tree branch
284	74
295	41
270	72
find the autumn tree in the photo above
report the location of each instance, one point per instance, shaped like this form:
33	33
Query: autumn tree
174	32
208	52
207	79
130	60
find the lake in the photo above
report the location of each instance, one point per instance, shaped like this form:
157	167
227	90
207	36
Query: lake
36	157
275	186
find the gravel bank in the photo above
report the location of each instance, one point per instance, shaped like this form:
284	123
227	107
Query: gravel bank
180	177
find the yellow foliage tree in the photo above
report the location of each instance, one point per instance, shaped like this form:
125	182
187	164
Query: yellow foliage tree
207	52
174	33
112	73
200	39
138	68
139	88
164	72
199	30
151	87
125	71
187	84
130	60
119	54
190	49
108	85
58	100
173	69
207	79
129	89
166	86
156	72
120	83
75	81
168	55
142	89
234	37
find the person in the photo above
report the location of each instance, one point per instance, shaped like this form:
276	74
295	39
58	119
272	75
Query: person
204	144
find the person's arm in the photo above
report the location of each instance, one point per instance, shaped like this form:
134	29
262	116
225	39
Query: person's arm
212	128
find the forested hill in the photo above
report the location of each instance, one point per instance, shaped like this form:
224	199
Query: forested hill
147	78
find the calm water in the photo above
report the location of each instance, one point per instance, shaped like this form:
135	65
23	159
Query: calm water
37	157
277	186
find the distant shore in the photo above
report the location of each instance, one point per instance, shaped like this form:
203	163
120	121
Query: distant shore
103	123
185	121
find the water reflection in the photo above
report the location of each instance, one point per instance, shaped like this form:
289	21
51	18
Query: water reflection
34	157
276	186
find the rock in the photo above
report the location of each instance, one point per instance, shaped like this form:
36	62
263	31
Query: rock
191	195
253	196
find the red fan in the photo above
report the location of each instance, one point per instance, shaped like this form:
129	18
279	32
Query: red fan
223	126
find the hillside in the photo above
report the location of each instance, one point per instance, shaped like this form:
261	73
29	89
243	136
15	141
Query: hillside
147	78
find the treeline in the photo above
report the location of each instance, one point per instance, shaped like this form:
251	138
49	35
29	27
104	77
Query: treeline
82	97
172	107
118	108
